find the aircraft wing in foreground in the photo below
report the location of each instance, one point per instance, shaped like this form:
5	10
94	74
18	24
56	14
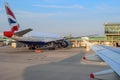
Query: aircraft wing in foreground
33	41
111	56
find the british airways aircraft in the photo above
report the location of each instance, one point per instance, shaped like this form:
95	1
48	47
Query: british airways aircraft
107	54
33	41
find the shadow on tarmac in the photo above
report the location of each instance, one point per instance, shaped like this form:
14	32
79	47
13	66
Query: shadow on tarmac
68	69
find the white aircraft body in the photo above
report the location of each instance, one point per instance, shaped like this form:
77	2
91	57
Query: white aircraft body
30	38
108	54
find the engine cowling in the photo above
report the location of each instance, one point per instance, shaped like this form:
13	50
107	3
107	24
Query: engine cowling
63	44
66	43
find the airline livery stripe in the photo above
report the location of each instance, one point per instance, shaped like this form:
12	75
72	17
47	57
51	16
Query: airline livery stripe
11	21
8	11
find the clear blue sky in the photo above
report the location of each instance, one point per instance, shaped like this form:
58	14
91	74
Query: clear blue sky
76	17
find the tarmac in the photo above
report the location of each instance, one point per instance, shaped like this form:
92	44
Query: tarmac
62	64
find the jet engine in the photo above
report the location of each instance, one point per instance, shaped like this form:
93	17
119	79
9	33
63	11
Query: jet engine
63	44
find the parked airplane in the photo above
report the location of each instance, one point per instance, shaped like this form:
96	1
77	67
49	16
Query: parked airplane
107	54
33	41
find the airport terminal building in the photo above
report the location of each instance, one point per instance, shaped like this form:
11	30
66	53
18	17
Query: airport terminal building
112	32
111	38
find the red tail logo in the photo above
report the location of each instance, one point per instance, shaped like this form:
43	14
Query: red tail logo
12	21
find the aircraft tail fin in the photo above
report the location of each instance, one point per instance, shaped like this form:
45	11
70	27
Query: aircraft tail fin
12	21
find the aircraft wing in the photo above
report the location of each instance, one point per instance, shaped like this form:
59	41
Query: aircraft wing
21	33
109	55
82	36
